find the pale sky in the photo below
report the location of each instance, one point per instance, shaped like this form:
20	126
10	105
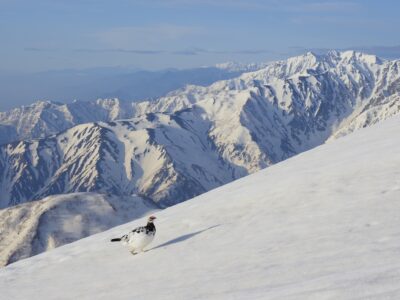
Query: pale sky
45	35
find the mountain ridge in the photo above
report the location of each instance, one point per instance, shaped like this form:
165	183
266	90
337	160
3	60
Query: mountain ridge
238	126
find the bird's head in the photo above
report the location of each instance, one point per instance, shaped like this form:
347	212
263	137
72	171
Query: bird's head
151	219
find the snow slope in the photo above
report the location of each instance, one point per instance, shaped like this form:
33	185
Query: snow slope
321	225
35	227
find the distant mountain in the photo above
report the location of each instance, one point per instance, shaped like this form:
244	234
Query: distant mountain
196	138
240	67
123	83
45	118
115	85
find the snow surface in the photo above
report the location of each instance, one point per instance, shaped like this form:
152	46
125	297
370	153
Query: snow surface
322	225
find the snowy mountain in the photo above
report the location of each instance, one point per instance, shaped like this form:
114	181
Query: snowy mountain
196	138
232	66
38	226
321	225
137	156
45	118
350	87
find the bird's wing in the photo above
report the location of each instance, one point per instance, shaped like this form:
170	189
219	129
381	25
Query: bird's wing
127	236
138	229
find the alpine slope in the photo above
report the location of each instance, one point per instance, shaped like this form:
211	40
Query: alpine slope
321	225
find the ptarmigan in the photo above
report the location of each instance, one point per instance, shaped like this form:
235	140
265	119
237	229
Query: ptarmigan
139	237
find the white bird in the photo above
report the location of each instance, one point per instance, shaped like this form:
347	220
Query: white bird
139	237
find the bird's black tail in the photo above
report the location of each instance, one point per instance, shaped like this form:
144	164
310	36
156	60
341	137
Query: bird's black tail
116	240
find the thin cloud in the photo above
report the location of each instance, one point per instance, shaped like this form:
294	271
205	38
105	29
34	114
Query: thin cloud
261	51
126	37
339	20
199	51
36	49
338	6
236	4
185	52
267	5
118	50
389	52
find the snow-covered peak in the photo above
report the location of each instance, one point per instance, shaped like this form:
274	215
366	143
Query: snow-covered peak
240	67
240	125
355	56
311	63
361	73
309	59
44	118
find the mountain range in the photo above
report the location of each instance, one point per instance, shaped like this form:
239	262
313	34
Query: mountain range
125	83
196	138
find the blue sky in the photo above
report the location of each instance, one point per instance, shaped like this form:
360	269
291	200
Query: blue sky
45	35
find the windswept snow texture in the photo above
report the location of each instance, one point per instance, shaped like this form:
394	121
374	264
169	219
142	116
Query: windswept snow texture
322	225
34	227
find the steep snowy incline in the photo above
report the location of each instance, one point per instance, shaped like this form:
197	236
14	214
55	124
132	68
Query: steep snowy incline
321	225
35	227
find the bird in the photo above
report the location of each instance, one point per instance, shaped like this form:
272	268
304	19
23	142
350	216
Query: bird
140	237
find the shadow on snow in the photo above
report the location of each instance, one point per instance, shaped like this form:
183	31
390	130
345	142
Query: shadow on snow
183	237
